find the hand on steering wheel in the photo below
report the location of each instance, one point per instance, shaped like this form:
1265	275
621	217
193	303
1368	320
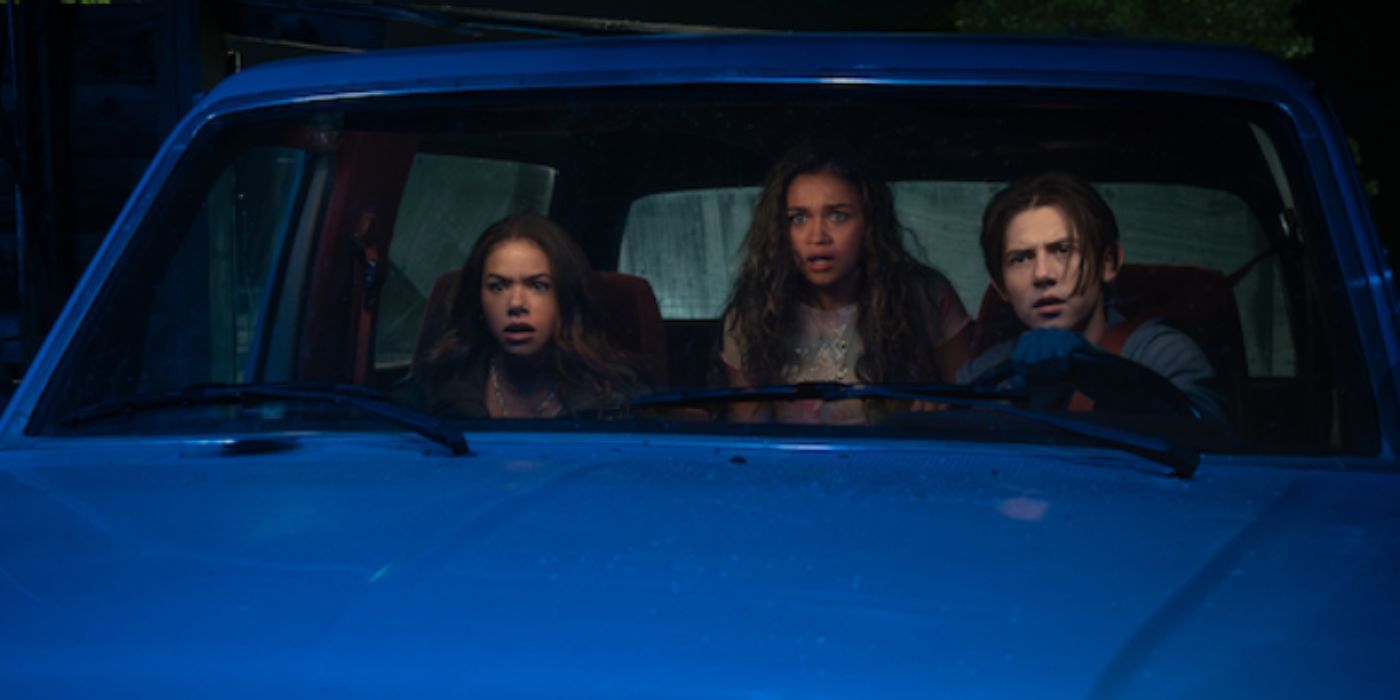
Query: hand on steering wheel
1049	360
1043	355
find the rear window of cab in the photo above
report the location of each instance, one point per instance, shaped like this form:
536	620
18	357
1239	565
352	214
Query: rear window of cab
308	243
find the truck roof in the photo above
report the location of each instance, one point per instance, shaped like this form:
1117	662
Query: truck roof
951	59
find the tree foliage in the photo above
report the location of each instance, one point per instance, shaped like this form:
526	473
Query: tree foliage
1263	24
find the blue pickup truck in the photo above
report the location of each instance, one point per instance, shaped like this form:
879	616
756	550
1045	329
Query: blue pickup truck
219	479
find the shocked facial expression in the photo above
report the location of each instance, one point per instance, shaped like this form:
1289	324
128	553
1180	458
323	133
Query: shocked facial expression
1040	271
826	227
518	298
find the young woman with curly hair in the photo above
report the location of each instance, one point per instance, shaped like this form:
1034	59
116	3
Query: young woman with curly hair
522	341
827	292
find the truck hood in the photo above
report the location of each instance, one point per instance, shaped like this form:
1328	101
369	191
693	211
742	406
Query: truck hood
636	566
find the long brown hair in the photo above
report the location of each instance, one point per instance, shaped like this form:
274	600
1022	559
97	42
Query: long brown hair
893	299
580	352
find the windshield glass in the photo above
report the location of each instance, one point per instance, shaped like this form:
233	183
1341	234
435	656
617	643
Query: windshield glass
1142	259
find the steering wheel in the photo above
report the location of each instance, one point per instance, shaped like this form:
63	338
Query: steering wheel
1115	384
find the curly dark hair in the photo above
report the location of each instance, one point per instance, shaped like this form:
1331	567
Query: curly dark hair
894	302
580	352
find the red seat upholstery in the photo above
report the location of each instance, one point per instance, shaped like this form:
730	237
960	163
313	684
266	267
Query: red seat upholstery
632	319
626	306
436	316
1195	300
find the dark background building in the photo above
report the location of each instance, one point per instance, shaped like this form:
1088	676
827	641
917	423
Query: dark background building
90	88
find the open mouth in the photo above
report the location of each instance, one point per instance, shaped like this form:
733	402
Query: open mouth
1049	307
517	333
820	263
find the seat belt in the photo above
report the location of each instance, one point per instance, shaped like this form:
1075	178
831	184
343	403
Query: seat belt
1116	337
1112	342
372	263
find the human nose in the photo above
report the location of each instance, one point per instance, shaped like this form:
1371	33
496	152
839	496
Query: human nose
817	232
1047	270
517	302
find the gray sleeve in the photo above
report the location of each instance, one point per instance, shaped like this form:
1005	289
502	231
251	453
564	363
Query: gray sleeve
1174	355
987	359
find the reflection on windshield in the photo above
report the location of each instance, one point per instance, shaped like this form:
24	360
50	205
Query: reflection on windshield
560	259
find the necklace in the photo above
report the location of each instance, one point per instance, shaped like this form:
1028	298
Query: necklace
823	351
536	412
840	345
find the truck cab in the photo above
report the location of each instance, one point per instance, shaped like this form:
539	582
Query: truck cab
215	478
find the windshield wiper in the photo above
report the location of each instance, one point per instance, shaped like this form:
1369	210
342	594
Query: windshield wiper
1181	460
367	400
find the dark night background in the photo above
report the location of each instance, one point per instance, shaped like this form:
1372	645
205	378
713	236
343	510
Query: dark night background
90	88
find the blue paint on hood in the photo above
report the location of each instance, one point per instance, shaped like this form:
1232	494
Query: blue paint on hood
605	568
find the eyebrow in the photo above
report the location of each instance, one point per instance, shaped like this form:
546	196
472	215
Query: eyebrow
824	207
527	278
1030	249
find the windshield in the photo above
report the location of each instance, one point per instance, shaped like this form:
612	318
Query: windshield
573	253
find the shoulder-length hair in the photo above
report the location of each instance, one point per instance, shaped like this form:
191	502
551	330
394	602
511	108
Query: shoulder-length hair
1093	228
580	352
893	305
